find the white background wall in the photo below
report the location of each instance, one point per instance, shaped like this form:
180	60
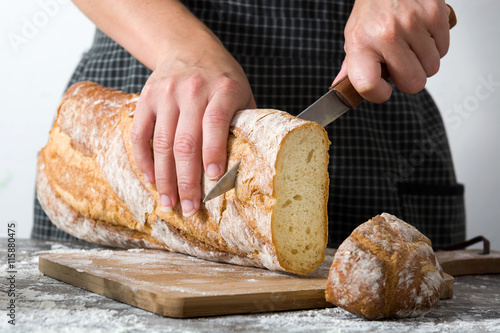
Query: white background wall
41	42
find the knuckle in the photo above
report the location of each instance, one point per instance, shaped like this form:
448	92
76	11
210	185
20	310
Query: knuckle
388	34
229	86
194	85
162	145
227	82
162	183
415	85
435	13
185	144
214	150
353	39
443	46
214	154
433	68
383	30
443	50
186	185
216	118
146	93
135	136
156	88
167	88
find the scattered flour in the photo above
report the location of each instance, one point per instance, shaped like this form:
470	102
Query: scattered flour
135	250
47	305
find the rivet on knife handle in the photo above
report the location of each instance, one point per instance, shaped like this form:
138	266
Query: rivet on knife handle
347	94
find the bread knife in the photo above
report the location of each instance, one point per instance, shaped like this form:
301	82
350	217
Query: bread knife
341	97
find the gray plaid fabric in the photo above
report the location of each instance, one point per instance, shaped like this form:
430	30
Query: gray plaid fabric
392	157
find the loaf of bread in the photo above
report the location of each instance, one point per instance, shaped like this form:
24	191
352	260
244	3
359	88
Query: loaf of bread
89	186
385	269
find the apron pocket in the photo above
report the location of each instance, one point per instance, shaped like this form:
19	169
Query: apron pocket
437	210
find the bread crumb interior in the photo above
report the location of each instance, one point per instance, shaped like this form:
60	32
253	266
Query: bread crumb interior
301	189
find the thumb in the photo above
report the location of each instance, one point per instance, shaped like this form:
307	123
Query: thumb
341	74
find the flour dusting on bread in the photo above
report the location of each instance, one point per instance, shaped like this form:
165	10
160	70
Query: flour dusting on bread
385	269
89	185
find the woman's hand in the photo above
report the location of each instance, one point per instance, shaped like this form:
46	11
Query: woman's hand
186	107
409	36
187	103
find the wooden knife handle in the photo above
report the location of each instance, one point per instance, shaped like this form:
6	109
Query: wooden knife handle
452	19
346	92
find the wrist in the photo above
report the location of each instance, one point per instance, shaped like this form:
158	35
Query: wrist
192	47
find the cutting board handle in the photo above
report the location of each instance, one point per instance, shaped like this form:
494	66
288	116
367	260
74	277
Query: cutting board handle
346	92
463	245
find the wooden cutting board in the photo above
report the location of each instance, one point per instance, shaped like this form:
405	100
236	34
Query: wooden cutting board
467	262
177	285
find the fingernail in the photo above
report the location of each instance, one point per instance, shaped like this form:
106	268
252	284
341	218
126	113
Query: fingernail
166	203
146	180
213	171
188	208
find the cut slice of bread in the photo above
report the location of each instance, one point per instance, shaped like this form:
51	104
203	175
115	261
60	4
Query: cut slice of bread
301	187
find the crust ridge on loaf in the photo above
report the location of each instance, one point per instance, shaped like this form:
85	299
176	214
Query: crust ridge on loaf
385	269
89	186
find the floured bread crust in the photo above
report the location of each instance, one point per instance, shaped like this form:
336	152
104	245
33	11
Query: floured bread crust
90	186
385	269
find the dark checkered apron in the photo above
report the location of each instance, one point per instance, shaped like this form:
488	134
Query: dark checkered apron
392	157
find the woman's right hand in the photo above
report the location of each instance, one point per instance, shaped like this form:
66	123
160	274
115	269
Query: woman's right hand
186	108
408	37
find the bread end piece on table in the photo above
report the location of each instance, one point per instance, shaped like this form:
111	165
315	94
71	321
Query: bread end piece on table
385	269
90	186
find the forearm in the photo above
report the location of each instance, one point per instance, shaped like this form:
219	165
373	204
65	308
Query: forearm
150	29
